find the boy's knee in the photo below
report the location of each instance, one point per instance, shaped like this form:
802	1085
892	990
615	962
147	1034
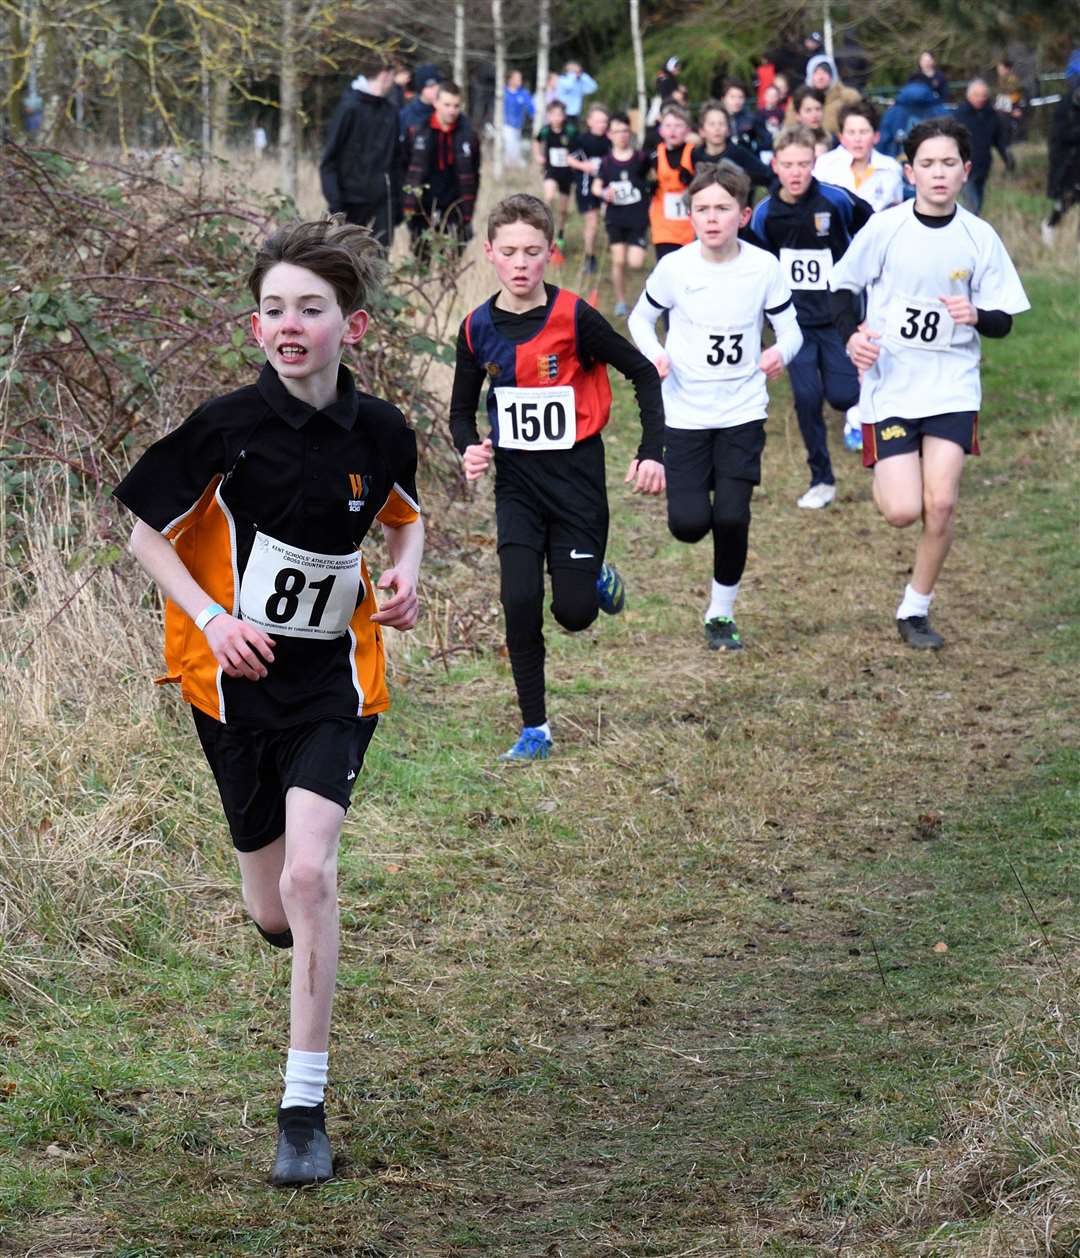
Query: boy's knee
938	512
575	614
900	515
689	526
308	881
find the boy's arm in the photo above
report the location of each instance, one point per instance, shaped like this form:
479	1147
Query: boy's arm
588	84
469	378
340	126
642	325
241	649
405	545
603	344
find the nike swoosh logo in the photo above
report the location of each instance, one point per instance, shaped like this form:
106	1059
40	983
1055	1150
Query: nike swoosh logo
580	554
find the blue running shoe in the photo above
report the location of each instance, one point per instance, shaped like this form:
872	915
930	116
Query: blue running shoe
533	744
621	310
610	588
853	439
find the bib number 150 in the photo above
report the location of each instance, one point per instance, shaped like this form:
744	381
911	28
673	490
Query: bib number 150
532	420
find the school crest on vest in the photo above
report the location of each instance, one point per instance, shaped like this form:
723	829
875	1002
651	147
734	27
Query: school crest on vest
822	221
547	366
359	487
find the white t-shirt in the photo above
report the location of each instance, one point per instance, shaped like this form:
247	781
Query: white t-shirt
882	185
928	365
717	310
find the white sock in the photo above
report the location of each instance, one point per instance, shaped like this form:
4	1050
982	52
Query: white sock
305	1078
852	418
913	603
723	601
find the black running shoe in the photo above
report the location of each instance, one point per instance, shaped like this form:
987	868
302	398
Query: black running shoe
303	1150
721	634
916	632
276	939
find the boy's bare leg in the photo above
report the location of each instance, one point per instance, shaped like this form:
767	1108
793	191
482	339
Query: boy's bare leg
942	467
564	214
592	221
618	273
898	489
309	897
260	875
635	255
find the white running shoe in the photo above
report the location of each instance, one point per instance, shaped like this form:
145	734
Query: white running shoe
817	496
1047	233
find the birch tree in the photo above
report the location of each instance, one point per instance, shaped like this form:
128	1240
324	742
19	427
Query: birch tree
459	43
639	67
543	59
500	82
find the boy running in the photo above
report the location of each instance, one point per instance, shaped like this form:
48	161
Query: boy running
544	354
808	225
673	168
551	149
935	276
718	292
622	185
716	146
272	628
856	165
592	146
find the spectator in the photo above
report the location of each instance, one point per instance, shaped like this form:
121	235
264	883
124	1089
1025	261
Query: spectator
399	93
363	161
915	102
443	175
572	88
1010	100
715	146
742	119
929	74
417	111
482	97
668	79
852	63
1063	177
791	59
821	74
783	86
807	108
518	107
768	121
764	76
988	132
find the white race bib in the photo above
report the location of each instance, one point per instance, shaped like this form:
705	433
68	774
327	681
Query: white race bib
915	323
298	593
807	270
557	158
594	164
675	206
722	353
625	192
536	419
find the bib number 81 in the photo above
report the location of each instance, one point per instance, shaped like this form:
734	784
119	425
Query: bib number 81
921	325
716	354
527	423
289	584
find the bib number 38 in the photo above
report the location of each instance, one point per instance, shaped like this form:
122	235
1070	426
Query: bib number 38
536	419
918	324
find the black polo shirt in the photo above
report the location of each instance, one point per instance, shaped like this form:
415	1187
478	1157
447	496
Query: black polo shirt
261	460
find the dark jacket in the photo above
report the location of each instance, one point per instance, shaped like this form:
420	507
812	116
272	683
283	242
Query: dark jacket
1063	177
444	169
364	160
915	102
415	114
936	82
987	134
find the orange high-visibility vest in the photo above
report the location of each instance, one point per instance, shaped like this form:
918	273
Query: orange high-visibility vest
669	191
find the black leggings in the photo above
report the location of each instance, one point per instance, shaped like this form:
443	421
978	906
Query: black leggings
692	515
573	604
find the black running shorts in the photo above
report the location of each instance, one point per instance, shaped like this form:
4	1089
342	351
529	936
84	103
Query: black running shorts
699	457
554	502
627	235
904	436
254	768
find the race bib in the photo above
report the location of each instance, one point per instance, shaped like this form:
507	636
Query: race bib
675	206
594	164
536	419
298	593
807	269
918	324
625	193
723	353
557	158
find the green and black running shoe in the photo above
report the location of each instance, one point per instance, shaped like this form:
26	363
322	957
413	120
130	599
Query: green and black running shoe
722	635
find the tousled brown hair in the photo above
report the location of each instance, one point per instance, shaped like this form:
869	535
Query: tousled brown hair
724	173
522	207
346	256
795	134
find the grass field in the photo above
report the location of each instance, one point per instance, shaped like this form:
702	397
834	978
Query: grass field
776	956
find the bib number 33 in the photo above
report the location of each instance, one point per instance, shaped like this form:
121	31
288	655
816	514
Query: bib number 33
536	419
299	593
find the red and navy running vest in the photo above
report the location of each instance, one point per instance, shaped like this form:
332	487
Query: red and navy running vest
550	357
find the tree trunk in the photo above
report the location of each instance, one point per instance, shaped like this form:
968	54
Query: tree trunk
500	83
219	114
459	43
543	59
289	88
639	67
204	100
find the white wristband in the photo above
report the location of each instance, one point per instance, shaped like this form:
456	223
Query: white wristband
207	614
